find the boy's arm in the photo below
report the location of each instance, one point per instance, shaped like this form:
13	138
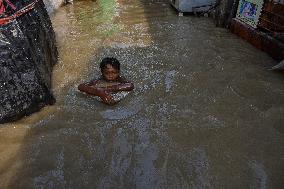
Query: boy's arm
120	87
124	85
96	91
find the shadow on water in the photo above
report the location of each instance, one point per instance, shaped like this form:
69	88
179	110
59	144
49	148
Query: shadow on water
201	114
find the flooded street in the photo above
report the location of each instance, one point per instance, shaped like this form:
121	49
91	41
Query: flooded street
205	111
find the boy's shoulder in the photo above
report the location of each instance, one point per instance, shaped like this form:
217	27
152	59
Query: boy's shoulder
123	79
95	80
120	79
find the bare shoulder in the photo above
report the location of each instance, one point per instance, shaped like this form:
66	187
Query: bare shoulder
123	79
93	82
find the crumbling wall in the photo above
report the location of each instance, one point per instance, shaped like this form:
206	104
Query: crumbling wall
27	55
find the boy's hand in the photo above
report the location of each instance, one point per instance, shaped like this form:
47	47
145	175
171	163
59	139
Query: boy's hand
101	92
108	99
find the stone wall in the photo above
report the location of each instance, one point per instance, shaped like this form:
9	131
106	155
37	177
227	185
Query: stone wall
27	54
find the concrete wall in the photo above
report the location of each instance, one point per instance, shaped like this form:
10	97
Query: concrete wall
225	11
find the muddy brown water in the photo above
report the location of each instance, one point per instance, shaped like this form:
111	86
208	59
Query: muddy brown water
205	112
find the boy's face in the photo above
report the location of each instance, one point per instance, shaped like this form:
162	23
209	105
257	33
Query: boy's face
110	73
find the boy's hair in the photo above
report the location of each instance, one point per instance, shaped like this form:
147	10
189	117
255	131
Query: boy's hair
110	60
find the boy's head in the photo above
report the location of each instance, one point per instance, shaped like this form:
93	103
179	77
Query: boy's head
110	68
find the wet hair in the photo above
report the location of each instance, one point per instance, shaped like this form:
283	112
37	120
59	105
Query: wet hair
111	61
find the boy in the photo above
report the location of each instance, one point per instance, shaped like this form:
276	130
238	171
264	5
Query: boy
109	83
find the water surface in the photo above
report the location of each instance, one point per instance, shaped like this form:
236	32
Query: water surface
205	112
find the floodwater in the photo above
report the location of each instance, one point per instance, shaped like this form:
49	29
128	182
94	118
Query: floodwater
205	112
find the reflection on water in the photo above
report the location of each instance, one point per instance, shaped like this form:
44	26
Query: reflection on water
123	112
205	113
